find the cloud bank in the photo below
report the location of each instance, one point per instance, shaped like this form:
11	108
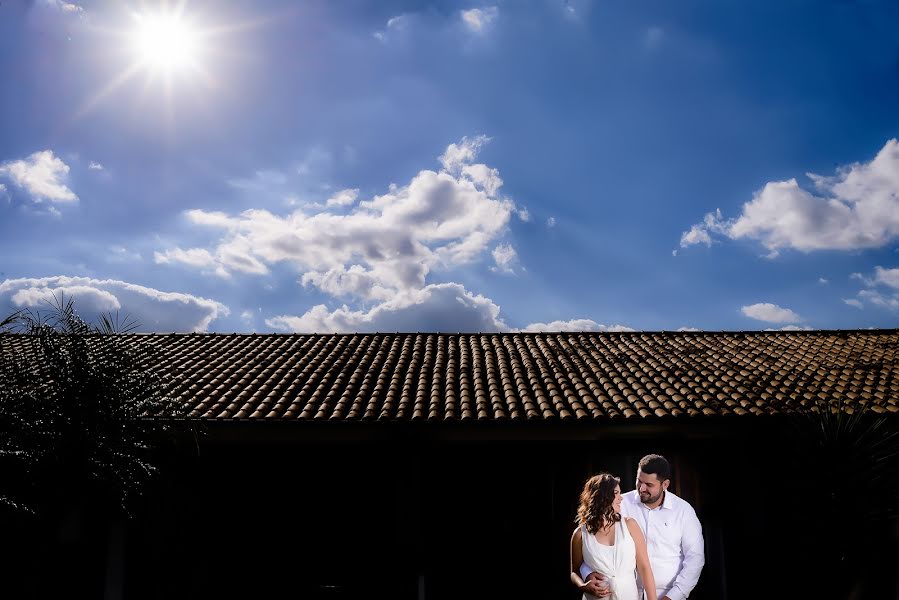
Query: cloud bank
442	307
152	309
856	208
574	325
382	246
377	254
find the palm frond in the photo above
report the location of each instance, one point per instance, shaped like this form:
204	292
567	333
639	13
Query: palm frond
74	407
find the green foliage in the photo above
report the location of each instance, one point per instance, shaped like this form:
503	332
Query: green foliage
77	408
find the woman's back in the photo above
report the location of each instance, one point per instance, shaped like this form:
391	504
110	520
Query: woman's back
618	561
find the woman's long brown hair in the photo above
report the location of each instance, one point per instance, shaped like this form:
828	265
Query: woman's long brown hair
595	510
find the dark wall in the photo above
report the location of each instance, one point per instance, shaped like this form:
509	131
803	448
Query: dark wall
452	513
447	512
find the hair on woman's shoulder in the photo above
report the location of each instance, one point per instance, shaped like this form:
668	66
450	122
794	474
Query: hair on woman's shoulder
595	508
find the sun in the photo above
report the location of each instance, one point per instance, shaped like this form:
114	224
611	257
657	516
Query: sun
165	42
176	51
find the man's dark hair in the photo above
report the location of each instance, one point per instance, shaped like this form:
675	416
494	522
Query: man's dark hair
655	464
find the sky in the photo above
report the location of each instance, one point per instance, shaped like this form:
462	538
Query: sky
545	165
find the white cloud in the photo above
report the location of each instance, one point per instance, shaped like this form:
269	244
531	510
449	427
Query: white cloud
355	281
193	257
90	299
688	329
879	299
397	23
699	233
479	19
771	313
523	214
154	310
573	325
458	155
551	222
209	218
67	7
505	257
823	281
387	244
790	328
42	175
856	208
696	235
343	198
444	307
438	307
484	176
888	278
95	166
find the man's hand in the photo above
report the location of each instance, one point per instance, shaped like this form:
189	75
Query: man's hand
593	586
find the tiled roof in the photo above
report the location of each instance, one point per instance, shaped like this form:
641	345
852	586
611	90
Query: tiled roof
523	376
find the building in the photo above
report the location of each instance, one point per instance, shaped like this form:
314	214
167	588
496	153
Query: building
448	465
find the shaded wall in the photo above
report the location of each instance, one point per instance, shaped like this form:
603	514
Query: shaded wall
403	512
444	511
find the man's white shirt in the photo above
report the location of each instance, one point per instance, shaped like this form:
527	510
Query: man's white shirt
673	540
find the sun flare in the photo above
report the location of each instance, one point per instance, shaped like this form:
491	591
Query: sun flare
165	42
168	54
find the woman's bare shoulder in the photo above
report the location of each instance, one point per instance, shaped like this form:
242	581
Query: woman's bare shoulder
632	525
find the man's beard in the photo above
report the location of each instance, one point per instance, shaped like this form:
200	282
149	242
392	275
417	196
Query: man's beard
647	499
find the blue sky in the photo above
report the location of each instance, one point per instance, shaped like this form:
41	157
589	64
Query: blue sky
404	166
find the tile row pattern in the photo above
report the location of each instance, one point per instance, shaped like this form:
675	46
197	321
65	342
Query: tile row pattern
543	376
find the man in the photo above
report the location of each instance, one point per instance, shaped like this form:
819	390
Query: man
673	533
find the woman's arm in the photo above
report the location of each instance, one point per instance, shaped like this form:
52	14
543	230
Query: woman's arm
643	566
577	557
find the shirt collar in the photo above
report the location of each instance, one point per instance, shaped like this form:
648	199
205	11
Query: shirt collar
667	501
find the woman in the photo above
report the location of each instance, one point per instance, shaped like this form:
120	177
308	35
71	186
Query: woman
607	544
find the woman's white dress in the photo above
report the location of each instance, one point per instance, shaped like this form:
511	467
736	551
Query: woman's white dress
617	562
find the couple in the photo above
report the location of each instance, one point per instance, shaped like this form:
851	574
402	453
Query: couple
650	533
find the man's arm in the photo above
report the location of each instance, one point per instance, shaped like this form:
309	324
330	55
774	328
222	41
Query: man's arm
577	562
693	548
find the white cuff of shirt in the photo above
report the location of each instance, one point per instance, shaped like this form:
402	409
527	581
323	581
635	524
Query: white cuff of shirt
674	594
